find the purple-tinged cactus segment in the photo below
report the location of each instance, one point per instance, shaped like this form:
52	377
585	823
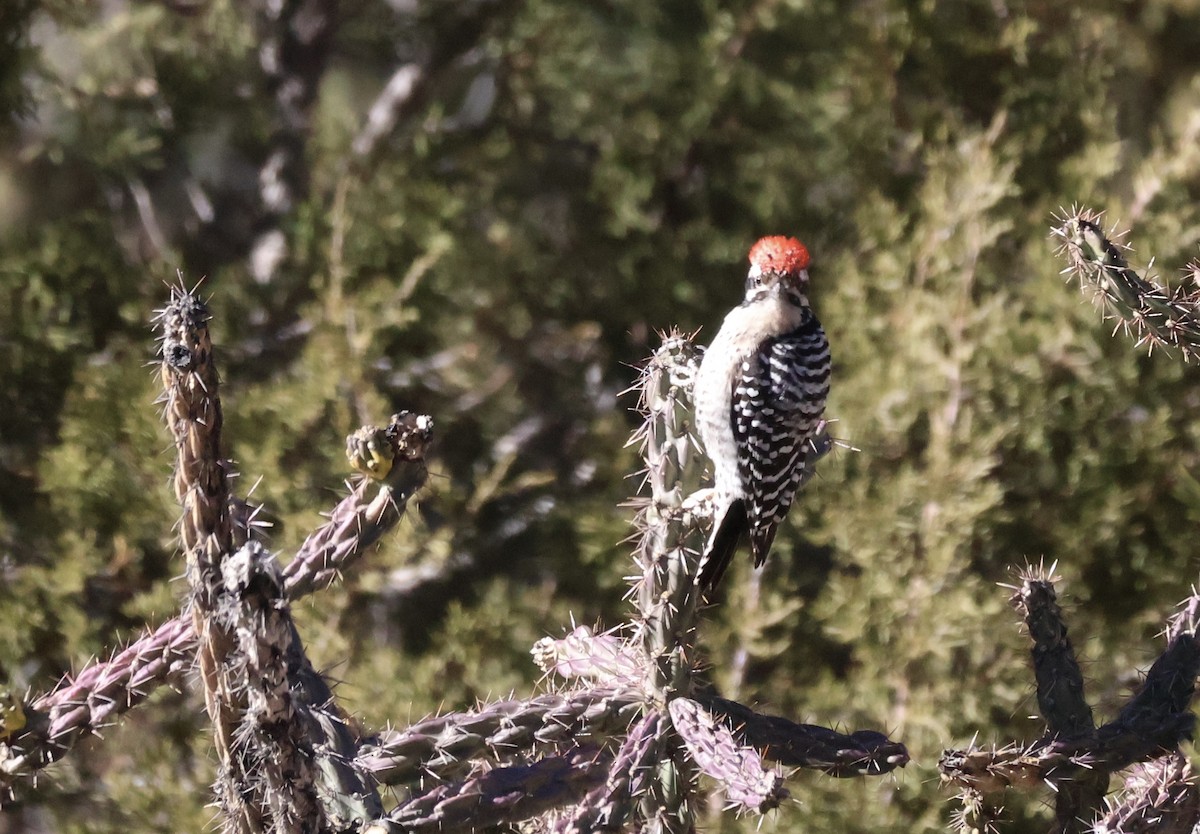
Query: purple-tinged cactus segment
608	807
1160	797
502	795
861	753
448	746
738	769
604	658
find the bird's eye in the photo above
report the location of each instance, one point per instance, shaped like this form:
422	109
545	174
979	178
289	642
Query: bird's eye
754	278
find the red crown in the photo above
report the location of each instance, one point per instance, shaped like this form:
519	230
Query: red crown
779	254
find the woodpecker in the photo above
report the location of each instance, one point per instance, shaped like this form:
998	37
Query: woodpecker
759	399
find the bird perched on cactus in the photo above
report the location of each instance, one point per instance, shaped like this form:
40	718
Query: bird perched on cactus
760	397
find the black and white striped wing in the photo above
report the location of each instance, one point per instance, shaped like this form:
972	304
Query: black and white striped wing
778	401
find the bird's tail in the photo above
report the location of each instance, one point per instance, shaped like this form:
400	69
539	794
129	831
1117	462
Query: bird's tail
721	545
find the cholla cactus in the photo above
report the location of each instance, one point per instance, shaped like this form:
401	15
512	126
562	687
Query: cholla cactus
692	732
1160	796
1075	758
1154	315
622	748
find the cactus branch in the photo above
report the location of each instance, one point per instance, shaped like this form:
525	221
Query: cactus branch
667	594
1160	797
207	530
503	795
608	806
1154	315
448	746
82	705
1059	692
1151	725
861	753
605	658
666	591
748	785
356	523
290	762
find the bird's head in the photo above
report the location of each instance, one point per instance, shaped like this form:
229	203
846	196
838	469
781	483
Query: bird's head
778	264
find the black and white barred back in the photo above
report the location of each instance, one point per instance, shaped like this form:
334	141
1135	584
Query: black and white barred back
777	404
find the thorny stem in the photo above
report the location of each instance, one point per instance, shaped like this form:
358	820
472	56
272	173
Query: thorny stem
608	806
1060	693
861	753
207	529
667	596
1156	316
282	746
503	795
667	593
1153	723
103	690
1161	797
448	746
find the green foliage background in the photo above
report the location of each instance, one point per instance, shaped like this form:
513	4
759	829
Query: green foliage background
575	176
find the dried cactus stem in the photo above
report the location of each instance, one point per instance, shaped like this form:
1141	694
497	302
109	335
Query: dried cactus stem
193	415
104	689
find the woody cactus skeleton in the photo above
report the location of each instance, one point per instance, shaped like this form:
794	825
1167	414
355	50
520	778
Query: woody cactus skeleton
621	747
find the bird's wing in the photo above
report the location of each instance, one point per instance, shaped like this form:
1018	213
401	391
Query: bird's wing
783	386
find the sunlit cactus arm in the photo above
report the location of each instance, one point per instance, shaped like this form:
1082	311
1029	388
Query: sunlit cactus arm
449	746
1156	316
604	658
207	528
748	785
83	703
504	795
666	591
609	806
1160	797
